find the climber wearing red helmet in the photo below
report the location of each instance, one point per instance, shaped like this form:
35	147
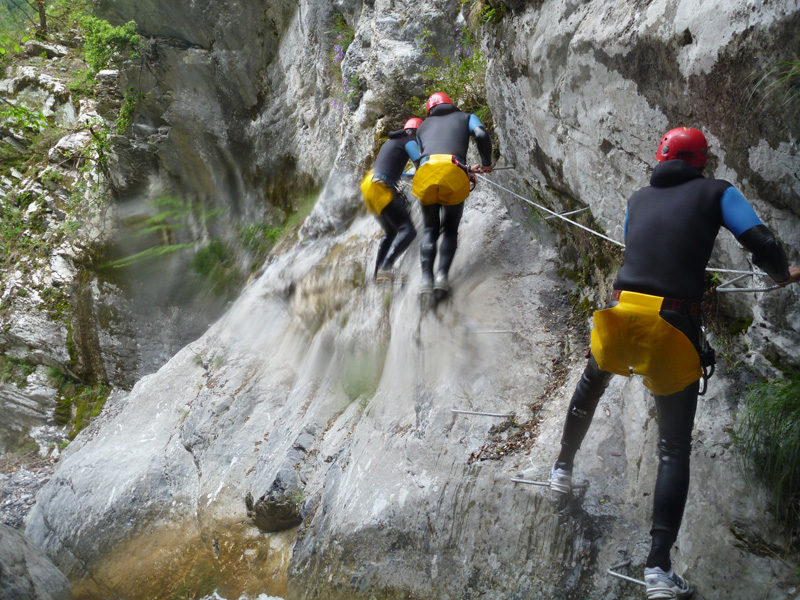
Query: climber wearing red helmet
653	326
385	200
442	183
685	143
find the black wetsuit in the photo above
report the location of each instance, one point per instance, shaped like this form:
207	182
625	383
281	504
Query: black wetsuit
670	230
447	130
395	219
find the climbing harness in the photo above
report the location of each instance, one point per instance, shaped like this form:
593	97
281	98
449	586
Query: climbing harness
722	287
708	359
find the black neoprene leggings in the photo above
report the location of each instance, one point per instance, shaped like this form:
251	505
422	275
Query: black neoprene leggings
399	232
438	219
675	414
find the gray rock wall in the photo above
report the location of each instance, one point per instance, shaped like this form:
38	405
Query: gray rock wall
323	399
26	573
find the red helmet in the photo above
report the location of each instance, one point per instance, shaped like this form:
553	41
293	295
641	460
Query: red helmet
685	144
413	123
437	98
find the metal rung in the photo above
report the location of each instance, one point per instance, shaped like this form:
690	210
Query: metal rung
495	331
529	482
483	414
728	285
577	486
611	571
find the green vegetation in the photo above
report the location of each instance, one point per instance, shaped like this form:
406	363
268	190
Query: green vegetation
172	215
588	260
260	238
462	76
20	235
491	10
345	89
25	13
129	106
302	208
78	403
781	81
104	42
342	37
44	17
217	266
768	439
15	370
21	118
8	47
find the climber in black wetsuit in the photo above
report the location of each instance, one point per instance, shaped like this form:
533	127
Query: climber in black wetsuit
670	230
442	182
385	200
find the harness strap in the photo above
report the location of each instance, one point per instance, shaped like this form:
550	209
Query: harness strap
673	304
456	161
385	179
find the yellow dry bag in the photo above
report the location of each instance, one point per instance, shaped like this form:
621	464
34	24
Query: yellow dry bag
377	195
632	335
440	181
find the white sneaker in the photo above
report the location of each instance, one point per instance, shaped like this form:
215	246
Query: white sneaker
665	586
560	480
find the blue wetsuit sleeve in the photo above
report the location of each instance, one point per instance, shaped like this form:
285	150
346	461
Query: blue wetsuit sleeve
413	151
625	228
474	122
737	214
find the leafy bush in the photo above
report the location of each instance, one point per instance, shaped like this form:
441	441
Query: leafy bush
17	116
259	238
8	47
462	77
215	264
63	15
768	439
103	41
128	109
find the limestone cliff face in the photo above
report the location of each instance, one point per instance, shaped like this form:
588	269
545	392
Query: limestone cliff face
306	445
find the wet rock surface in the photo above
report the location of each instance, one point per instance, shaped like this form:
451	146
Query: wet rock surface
390	499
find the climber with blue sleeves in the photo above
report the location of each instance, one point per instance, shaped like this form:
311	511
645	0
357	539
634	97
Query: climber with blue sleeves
442	183
385	200
653	326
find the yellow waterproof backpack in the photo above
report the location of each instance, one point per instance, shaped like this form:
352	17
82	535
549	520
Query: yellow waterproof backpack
632	335
377	195
440	181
